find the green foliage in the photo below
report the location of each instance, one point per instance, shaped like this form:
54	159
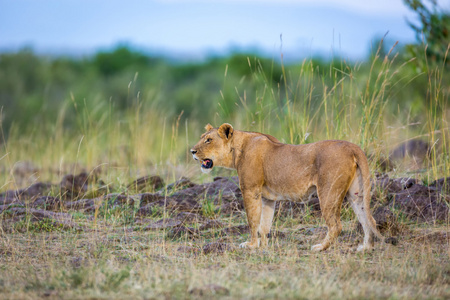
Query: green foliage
208	208
432	32
122	58
28	224
114	279
111	212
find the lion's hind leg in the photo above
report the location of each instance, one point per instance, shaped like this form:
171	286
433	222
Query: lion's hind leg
355	197
330	205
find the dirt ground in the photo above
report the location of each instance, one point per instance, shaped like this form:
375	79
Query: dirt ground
80	239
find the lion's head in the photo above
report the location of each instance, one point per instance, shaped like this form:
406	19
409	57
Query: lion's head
214	147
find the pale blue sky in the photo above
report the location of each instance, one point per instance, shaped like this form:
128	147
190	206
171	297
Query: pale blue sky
192	28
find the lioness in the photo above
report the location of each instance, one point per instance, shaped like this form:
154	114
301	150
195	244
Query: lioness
269	170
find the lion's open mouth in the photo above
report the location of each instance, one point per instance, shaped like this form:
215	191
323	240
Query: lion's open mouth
207	163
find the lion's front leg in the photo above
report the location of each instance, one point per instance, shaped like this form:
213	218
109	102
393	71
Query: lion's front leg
268	208
252	204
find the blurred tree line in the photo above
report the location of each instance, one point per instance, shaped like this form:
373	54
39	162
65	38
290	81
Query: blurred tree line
37	89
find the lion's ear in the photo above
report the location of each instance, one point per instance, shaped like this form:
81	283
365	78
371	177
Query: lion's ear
208	127
225	131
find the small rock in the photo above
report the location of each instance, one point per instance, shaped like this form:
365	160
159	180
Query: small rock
211	224
313	230
163	224
216	248
210	290
188	249
182	231
276	234
235	230
48	203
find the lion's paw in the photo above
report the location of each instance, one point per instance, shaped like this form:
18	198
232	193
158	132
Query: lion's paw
318	248
249	245
243	245
364	248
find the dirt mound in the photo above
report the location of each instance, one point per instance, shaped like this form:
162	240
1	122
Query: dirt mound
146	183
413	199
188	204
223	192
428	236
31	192
73	186
442	185
393	185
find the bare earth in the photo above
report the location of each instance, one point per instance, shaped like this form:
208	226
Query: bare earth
79	239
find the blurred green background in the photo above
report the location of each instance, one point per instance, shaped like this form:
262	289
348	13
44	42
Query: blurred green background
131	107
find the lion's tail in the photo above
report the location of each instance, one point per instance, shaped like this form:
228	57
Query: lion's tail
363	166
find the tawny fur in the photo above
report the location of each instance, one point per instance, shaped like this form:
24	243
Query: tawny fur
269	171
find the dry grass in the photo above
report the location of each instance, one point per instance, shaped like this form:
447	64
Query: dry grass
113	261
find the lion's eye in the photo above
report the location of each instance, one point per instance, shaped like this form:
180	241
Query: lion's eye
208	140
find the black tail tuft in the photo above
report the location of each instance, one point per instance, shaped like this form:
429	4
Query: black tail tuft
391	240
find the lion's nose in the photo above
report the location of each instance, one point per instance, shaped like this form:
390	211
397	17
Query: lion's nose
193	151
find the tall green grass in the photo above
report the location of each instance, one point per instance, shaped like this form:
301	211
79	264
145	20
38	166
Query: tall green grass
308	102
361	103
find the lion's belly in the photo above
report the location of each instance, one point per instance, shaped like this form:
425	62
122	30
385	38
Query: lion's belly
293	194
